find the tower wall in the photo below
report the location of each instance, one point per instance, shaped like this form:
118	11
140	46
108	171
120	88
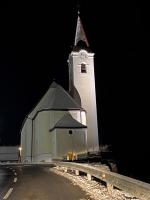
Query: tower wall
84	84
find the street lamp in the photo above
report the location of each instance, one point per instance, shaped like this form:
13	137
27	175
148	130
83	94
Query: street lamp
20	149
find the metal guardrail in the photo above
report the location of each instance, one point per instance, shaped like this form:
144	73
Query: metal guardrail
36	164
132	186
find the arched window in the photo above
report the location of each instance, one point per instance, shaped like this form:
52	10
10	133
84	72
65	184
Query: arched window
83	68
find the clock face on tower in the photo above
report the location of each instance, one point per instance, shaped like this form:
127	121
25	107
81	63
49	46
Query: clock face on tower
83	55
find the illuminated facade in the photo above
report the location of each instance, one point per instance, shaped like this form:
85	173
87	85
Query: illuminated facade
46	131
82	83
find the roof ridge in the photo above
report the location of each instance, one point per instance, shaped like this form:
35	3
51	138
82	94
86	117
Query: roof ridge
67	121
52	100
67	93
53	84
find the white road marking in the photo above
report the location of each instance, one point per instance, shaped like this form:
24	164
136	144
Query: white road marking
15	180
15	174
8	193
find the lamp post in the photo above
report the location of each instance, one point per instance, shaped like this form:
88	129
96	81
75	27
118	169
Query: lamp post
20	149
70	133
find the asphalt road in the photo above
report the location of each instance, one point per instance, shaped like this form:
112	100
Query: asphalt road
6	177
38	183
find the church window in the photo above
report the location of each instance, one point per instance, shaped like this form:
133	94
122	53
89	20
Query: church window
83	68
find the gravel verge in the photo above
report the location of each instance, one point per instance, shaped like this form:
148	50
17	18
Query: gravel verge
96	190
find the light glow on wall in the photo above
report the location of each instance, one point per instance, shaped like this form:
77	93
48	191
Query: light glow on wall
83	117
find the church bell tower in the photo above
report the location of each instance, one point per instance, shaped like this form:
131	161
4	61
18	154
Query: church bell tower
82	83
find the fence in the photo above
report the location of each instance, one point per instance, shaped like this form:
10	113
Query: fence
132	186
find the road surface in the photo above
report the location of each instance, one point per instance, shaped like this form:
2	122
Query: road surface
6	177
37	183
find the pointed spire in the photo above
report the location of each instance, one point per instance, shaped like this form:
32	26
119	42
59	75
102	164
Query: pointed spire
80	34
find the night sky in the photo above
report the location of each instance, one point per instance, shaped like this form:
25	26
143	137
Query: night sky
34	45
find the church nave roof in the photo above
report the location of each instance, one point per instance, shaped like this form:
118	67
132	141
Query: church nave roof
56	98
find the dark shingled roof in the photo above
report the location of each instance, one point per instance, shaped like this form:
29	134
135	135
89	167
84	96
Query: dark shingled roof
80	41
68	122
56	98
80	34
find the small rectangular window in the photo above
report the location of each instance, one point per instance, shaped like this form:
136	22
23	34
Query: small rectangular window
83	68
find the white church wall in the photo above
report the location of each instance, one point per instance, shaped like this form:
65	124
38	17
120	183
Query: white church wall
85	85
38	143
44	121
76	114
53	143
66	143
63	143
79	141
26	137
83	118
23	142
79	115
41	144
55	116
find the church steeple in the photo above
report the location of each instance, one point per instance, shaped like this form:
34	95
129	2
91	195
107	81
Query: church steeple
82	83
80	36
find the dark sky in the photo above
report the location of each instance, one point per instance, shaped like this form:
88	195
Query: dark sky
34	45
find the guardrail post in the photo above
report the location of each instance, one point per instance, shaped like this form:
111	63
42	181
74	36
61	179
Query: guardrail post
57	167
89	177
109	187
77	172
66	169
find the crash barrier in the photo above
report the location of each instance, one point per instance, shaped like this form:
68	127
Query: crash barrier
129	185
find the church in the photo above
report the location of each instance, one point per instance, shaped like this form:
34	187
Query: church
64	122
